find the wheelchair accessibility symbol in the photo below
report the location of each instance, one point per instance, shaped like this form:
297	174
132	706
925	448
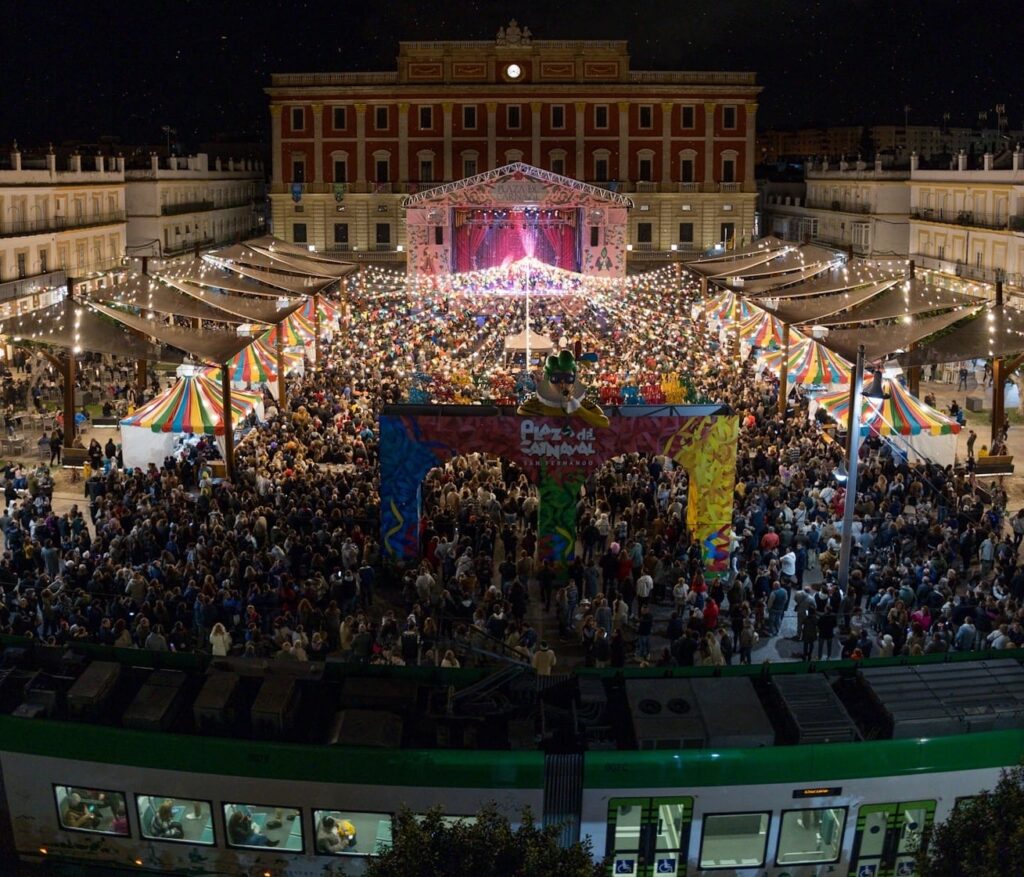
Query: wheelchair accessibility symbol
625	866
905	869
666	866
867	871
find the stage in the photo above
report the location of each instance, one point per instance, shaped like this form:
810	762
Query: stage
514	213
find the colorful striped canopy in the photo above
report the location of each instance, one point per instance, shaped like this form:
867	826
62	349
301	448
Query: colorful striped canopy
192	405
899	414
765	331
256	364
326	308
297	331
810	363
725	307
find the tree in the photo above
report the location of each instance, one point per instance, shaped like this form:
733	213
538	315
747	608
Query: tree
983	835
431	847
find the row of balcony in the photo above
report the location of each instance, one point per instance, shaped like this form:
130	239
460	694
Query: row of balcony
839	206
23	286
975	219
978	274
201	206
48	224
411	187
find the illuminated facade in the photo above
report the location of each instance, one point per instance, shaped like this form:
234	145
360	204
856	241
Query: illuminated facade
348	147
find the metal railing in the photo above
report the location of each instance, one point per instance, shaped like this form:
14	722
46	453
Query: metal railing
646	186
202	206
837	206
969	217
689	187
730	187
58	223
27	285
968	272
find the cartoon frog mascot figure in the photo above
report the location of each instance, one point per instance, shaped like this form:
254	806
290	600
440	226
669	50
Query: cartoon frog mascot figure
560	395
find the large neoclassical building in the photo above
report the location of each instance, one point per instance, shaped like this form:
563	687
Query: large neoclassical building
350	148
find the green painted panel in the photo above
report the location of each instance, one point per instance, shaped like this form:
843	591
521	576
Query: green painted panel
691	768
215	755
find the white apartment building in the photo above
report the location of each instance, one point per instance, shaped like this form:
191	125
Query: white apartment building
970	223
57	223
861	208
183	203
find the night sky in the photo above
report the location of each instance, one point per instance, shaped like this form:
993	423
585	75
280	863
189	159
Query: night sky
78	71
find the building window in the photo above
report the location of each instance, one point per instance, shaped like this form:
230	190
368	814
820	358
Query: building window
348	833
258	826
380	118
513	116
340	118
22	265
340	170
728	170
686	232
601	116
646	116
469	118
558	116
426	170
469	167
382	170
383	233
595	235
92	810
438	235
42	262
426	118
734	840
601	170
686	170
941	251
644	233
688	116
646	170
182	820
729	118
810	837
341	234
298	170
558	165
299	232
298	118
727	232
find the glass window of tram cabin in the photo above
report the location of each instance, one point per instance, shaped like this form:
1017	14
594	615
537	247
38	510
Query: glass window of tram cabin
734	840
93	810
811	836
260	825
182	820
351	833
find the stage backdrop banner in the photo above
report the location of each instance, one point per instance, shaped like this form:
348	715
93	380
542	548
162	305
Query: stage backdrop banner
559	461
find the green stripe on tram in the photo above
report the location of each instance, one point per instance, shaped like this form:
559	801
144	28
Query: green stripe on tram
691	768
486	769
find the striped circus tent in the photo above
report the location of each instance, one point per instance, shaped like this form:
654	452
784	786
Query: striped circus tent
256	364
899	414
726	308
765	331
810	364
297	331
192	405
327	310
917	429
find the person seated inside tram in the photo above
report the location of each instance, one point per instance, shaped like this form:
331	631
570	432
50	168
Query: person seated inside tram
164	824
335	835
79	815
243	832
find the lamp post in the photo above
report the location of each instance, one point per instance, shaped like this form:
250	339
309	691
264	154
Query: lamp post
852	449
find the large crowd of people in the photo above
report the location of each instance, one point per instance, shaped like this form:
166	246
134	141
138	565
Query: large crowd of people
285	561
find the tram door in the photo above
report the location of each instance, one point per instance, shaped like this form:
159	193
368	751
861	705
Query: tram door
887	838
649	836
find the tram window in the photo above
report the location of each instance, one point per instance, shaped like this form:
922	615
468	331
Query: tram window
351	833
734	840
256	825
92	810
811	836
183	820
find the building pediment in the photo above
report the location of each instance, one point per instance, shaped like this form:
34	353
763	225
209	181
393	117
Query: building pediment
517	184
